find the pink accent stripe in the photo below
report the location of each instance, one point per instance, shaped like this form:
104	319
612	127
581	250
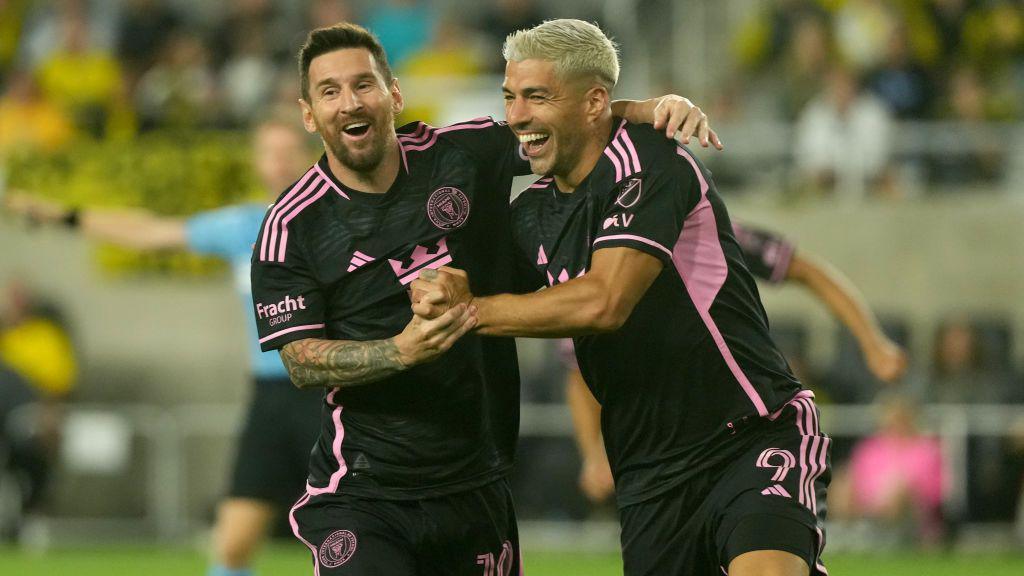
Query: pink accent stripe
801	394
452	128
363	256
331	182
640	239
632	150
283	244
627	169
357	261
542	183
290	330
821	548
804	439
280	205
339	437
428	130
275	230
405	160
615	161
295	530
446	259
700	262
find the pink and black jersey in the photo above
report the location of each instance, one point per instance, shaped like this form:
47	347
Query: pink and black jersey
333	262
693	367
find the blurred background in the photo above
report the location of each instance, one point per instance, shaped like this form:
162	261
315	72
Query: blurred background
883	136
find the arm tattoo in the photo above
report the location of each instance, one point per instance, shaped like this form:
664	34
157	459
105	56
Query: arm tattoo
340	363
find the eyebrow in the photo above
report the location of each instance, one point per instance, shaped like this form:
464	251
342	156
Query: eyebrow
334	81
528	91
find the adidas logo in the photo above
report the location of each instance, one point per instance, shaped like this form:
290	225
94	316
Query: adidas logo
359	259
776	490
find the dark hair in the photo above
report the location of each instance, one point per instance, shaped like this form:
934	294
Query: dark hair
337	37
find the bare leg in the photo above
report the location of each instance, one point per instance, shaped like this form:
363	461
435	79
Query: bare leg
768	563
242	525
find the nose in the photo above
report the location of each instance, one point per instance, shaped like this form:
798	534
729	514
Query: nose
350	102
516	112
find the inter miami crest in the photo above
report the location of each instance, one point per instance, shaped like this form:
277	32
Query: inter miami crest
337	549
448	208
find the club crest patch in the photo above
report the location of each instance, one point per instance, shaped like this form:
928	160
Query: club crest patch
448	208
630	194
337	549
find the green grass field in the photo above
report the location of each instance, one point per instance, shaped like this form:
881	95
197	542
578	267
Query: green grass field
149	561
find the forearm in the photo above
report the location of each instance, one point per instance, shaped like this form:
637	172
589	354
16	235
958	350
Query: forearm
314	362
136	229
635	111
586	416
573	309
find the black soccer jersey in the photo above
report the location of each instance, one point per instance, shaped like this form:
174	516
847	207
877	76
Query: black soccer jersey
332	262
693	365
767	254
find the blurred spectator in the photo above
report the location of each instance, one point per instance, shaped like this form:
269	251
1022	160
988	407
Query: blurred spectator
979	158
179	90
843	141
948	18
243	18
144	29
403	27
37	371
807	61
863	28
87	82
900	80
895	477
501	19
764	40
28	122
248	76
451	55
964	371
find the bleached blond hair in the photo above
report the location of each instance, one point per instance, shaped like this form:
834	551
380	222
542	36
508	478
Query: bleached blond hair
579	49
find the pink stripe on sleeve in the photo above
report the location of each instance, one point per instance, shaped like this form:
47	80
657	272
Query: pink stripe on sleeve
640	239
627	169
615	161
275	228
283	245
632	150
273	211
290	330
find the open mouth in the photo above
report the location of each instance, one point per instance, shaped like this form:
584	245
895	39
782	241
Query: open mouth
357	129
533	142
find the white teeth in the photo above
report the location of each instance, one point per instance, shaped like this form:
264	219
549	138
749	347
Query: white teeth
524	138
356	125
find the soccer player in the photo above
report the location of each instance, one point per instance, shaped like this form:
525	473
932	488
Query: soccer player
281	422
718	458
773	259
409	474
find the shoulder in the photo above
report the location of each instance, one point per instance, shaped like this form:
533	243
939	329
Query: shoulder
640	151
420	136
533	195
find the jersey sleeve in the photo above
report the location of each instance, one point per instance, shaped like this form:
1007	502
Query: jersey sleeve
223	232
767	254
647	212
491	141
288	301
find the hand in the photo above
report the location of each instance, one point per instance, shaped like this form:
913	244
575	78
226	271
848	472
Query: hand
596	479
424	340
887	361
437	291
679	118
33	208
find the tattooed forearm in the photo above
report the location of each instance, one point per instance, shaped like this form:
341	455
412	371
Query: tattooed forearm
340	363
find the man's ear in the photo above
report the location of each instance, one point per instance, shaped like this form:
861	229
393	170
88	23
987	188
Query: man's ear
599	102
398	103
307	116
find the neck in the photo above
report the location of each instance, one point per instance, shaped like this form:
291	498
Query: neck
376	180
591	153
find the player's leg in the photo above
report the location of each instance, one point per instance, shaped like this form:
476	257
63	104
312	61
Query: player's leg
265	480
669	535
242	525
768	563
474	534
350	536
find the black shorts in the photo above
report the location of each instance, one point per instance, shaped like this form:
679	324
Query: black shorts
770	497
470	533
281	427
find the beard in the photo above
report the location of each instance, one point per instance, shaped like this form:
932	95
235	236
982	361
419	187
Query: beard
365	159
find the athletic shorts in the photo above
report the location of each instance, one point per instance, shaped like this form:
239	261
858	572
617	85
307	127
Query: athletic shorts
770	497
272	458
470	533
